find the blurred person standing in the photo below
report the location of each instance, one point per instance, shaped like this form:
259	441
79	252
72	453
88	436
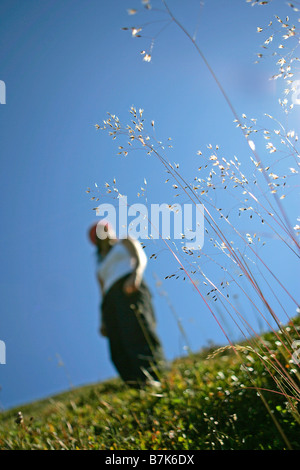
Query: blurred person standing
127	314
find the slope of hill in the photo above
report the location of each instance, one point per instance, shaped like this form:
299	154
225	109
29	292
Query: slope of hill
226	399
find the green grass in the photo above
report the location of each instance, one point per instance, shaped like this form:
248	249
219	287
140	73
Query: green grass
204	403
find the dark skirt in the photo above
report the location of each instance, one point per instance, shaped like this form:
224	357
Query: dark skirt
129	319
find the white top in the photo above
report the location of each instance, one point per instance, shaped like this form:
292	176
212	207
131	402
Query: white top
117	263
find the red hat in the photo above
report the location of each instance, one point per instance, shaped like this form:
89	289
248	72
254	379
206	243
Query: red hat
103	226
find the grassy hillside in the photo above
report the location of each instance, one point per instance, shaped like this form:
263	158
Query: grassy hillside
206	401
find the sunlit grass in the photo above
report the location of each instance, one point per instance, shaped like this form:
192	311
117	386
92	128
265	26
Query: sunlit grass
206	401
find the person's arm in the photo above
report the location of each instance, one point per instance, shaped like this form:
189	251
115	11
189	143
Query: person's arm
102	328
136	251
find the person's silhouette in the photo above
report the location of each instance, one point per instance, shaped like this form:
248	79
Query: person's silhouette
127	314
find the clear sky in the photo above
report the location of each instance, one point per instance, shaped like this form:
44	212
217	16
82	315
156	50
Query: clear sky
65	65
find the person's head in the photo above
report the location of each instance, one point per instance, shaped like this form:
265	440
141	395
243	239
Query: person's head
103	236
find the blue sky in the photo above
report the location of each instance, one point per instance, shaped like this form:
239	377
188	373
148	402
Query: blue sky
65	65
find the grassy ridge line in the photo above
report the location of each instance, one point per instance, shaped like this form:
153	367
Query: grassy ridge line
203	403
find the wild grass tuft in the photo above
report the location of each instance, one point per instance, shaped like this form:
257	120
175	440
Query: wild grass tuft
206	401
